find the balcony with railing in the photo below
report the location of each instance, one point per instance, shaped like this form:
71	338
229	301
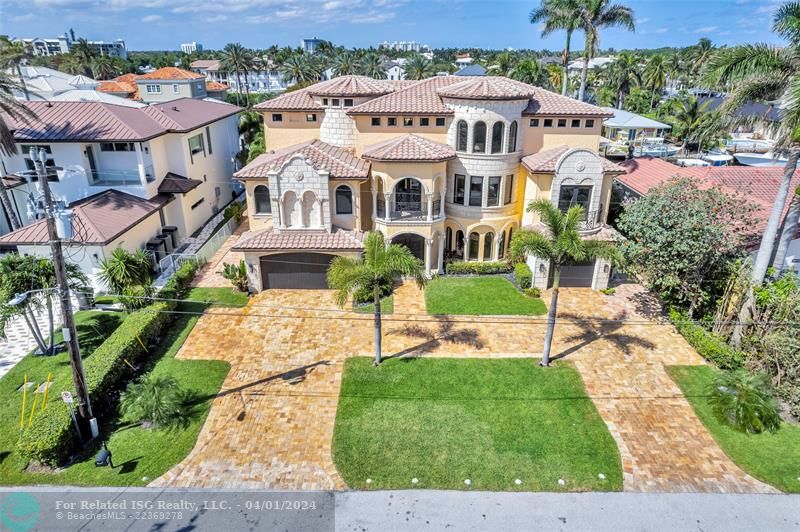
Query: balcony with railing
592	221
409	207
119	178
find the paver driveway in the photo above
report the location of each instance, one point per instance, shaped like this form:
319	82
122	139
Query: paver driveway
272	424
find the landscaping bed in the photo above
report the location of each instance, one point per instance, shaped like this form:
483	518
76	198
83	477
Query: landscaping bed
387	306
479	295
443	421
771	458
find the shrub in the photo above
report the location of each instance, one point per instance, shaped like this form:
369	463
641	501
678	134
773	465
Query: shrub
709	346
364	294
608	291
532	292
478	268
156	401
236	274
744	401
523	275
235	210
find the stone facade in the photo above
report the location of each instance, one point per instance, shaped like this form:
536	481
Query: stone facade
337	128
299	195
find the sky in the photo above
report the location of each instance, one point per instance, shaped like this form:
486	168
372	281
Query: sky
165	24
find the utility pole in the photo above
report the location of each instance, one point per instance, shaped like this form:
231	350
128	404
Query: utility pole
39	158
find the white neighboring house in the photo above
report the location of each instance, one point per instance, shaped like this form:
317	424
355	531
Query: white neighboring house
191	47
63	45
45	83
630	126
594	63
395	69
129	174
264	79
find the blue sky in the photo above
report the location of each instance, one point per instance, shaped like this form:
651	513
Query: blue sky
164	24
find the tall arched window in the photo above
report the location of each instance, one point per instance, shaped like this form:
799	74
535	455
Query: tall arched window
510	234
261	198
460	243
474	245
512	137
344	200
448	239
501	246
488	240
461	136
497	137
479	137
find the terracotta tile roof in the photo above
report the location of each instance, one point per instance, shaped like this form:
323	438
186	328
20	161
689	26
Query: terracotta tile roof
205	64
271	240
418	98
170	73
99	121
548	103
545	161
409	148
124	84
340	163
177	184
215	86
351	86
488	88
299	100
99	219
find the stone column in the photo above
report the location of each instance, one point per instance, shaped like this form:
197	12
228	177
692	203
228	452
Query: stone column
430	206
137	146
321	214
441	202
387	209
428	246
374	202
440	266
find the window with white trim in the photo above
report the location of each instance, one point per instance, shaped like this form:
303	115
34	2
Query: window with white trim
344	199
153	89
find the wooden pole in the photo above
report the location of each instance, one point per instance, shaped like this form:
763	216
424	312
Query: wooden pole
46	389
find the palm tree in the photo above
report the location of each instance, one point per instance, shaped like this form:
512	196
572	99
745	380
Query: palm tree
234	59
124	270
527	71
503	64
689	120
379	263
622	74
345	64
654	76
418	67
71	65
297	67
700	54
372	66
596	15
13	55
555	76
559	15
10	107
104	67
788	230
82	51
560	244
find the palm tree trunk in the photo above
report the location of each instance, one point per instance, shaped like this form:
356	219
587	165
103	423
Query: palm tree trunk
22	81
6	202
376	301
238	87
566	65
35	332
584	76
788	231
551	319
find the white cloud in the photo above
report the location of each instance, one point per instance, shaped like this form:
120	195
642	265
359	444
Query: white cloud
644	20
23	18
372	17
216	18
706	29
152	18
661	30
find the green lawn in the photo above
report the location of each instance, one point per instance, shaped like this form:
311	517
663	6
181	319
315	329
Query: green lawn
140	455
387	306
479	295
218	297
491	421
772	458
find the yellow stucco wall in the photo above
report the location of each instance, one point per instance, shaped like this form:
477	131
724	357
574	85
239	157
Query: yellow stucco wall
536	139
257	221
390	173
294	129
367	134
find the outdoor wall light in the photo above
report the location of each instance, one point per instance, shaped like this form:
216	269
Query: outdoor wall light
605	268
541	268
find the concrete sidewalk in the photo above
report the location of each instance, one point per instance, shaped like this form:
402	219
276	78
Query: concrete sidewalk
423	510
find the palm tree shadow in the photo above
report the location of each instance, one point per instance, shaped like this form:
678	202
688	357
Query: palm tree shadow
432	338
591	330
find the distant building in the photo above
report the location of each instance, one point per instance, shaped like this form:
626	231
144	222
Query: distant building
405	46
463	60
45	83
163	85
471	70
63	44
310	46
191	47
395	70
595	62
265	78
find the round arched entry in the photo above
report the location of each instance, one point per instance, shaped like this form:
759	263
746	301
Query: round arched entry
412	241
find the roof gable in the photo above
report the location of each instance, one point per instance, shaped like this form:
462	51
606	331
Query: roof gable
338	162
409	148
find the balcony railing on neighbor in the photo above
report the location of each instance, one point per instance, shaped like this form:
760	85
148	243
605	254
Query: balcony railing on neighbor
593	220
120	178
408	209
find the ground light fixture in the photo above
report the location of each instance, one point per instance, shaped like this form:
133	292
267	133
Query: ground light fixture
103	457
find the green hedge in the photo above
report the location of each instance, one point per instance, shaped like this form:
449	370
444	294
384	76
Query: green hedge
710	347
523	275
478	268
51	439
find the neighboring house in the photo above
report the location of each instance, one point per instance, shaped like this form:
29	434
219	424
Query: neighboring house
463	60
625	125
169	163
395	70
594	63
405	46
63	45
163	85
444	166
758	184
45	83
263	79
471	70
753	112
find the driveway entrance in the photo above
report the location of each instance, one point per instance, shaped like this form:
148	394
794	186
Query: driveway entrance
295	270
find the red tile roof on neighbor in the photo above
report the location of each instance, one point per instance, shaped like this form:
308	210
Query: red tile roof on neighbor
546	103
488	88
100	121
351	86
340	163
299	100
409	148
545	161
124	84
99	219
321	240
215	86
169	73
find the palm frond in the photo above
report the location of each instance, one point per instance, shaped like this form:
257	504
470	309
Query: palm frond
347	274
786	22
749	60
528	242
551	217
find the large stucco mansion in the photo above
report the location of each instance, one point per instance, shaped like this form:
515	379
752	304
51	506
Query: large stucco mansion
444	166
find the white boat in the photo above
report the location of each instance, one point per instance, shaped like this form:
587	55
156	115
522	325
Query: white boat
759	159
718	159
693	162
748	145
654	147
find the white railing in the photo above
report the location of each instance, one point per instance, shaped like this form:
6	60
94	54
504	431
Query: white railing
170	263
212	245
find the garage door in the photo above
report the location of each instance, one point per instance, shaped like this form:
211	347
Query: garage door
295	270
577	274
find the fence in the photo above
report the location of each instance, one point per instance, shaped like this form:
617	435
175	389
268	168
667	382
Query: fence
212	245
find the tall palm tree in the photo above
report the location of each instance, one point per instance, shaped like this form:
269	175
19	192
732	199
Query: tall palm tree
654	76
418	67
234	59
10	107
380	262
346	63
788	230
560	244
555	76
13	55
700	54
82	51
297	67
527	71
690	120
596	15
559	15
502	65
372	66
104	67
622	74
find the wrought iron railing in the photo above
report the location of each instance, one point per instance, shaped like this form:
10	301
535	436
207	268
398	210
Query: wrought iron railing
592	221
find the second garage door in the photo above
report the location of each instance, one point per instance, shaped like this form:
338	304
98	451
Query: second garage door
577	274
295	270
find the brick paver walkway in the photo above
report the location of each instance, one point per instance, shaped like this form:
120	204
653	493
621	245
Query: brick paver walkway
210	275
272	424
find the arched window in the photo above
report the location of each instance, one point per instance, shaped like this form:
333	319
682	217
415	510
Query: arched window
512	137
497	137
488	240
261	197
510	234
460	243
474	245
479	137
501	246
448	239
344	200
461	136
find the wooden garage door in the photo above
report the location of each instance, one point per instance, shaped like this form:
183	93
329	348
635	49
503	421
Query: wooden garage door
577	274
295	270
